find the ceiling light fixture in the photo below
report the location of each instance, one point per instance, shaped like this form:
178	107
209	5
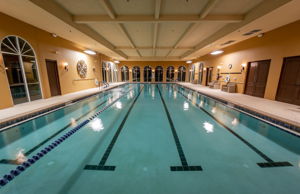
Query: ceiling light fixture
189	61
217	52
90	52
116	61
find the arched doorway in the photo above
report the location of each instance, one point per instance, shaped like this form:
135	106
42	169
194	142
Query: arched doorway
21	69
136	74
170	74
147	74
124	74
200	73
159	74
181	73
192	74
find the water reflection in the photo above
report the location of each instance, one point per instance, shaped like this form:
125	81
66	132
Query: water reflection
118	105
73	122
186	106
97	125
209	128
201	103
175	94
20	157
234	121
213	110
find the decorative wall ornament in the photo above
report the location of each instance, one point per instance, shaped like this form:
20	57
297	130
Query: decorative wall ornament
229	66
82	68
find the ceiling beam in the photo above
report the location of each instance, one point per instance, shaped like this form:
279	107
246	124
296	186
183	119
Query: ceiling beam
156	25
149	48
110	11
108	8
204	13
260	10
59	12
152	19
208	7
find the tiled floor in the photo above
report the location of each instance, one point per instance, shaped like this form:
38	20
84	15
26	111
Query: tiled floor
278	110
27	108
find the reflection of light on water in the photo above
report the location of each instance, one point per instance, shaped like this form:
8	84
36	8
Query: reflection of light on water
213	110
201	103
234	122
20	157
129	95
73	122
153	94
118	105
97	125
175	94
208	127
189	96
186	106
109	100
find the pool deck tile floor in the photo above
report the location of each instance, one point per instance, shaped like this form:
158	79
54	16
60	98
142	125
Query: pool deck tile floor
278	110
34	106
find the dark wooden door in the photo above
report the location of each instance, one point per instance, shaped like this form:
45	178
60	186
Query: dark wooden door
257	77
208	75
289	84
53	77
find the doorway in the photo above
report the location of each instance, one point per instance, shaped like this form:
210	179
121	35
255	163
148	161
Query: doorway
289	83
257	76
53	77
208	75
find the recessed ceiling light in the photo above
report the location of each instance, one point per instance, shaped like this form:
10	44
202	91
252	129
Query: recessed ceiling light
189	61
216	52
90	52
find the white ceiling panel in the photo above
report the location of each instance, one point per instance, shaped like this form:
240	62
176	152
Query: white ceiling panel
79	7
133	7
110	32
182	6
169	33
141	34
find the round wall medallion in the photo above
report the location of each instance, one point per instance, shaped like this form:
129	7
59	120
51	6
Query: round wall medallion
82	68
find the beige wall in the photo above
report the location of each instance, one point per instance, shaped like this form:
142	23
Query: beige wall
152	64
48	47
274	45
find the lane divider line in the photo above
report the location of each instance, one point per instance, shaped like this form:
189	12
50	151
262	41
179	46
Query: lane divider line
21	168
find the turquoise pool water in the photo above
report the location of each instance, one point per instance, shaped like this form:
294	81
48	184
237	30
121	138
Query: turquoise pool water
149	138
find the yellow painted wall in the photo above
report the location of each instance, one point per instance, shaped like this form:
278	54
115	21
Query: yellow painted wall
152	64
48	47
275	45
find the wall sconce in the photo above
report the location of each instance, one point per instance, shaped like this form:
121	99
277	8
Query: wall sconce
243	67
153	71
176	70
219	67
130	70
66	66
204	69
115	70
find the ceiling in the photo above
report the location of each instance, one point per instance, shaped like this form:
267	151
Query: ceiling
153	29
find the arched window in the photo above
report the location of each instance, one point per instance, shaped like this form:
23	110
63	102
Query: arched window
192	73
124	74
170	74
159	74
200	73
136	74
181	73
147	74
21	69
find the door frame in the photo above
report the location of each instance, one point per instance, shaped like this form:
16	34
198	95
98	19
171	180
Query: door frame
281	74
57	77
247	75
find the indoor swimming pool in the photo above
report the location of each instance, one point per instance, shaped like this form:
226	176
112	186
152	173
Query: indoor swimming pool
148	138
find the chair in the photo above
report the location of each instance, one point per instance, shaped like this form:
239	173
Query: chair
229	87
214	84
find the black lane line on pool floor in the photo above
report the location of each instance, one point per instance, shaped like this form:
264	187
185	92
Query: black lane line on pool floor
269	163
29	162
184	164
15	162
101	165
